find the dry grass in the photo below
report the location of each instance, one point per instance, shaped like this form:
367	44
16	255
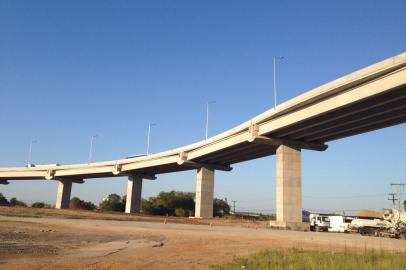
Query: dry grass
295	259
29	212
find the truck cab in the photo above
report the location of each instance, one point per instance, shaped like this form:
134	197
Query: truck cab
319	222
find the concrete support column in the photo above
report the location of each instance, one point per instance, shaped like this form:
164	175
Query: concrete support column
288	185
204	193
63	194
134	189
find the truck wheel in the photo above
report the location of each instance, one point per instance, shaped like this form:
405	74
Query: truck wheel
316	228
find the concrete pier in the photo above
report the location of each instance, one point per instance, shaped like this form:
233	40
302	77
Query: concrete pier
204	193
63	194
134	190
288	189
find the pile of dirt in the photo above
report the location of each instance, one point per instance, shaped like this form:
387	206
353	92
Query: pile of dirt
369	214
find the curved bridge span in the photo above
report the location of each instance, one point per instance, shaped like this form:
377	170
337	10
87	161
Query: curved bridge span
368	99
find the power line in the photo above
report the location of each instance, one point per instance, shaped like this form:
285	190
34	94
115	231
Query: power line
234	205
398	188
346	197
323	197
392	198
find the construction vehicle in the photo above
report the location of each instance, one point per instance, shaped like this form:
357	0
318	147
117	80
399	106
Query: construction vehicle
397	221
392	224
338	223
319	222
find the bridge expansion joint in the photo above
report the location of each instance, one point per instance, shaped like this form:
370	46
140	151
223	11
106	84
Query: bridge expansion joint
118	171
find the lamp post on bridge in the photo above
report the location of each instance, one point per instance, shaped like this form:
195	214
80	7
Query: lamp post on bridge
149	136
274	77
91	147
30	152
207	116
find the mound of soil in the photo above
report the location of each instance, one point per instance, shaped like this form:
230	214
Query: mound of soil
369	214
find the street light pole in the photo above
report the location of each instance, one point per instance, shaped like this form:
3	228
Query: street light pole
30	151
149	136
207	117
274	77
91	147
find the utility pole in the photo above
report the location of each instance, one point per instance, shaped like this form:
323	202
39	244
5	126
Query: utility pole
398	187
207	116
30	152
274	77
149	136
234	206
392	198
91	147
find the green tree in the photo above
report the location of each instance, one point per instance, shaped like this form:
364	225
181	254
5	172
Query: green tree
404	204
180	212
113	202
3	200
181	204
170	203
76	203
15	202
220	207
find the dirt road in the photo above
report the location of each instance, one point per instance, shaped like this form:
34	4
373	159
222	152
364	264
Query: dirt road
60	243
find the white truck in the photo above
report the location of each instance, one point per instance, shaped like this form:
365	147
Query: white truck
319	222
338	223
392	224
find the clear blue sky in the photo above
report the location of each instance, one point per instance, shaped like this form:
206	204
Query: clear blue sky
71	69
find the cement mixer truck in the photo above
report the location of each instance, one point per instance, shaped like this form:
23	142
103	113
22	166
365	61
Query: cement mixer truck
393	225
397	221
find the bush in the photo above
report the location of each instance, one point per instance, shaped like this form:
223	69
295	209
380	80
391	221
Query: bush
3	200
170	203
76	203
180	212
113	202
181	204
15	202
38	205
220	207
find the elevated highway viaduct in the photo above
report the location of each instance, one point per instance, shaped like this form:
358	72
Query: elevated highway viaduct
368	99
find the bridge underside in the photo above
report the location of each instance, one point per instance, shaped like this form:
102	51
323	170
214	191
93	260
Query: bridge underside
377	112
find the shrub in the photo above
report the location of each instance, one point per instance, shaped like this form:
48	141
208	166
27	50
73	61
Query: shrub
15	202
38	205
3	200
170	203
76	203
180	212
181	204
113	202
220	207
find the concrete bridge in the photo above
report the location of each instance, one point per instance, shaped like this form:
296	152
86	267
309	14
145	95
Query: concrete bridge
369	99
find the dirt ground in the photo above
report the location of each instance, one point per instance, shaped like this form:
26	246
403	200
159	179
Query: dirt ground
56	242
